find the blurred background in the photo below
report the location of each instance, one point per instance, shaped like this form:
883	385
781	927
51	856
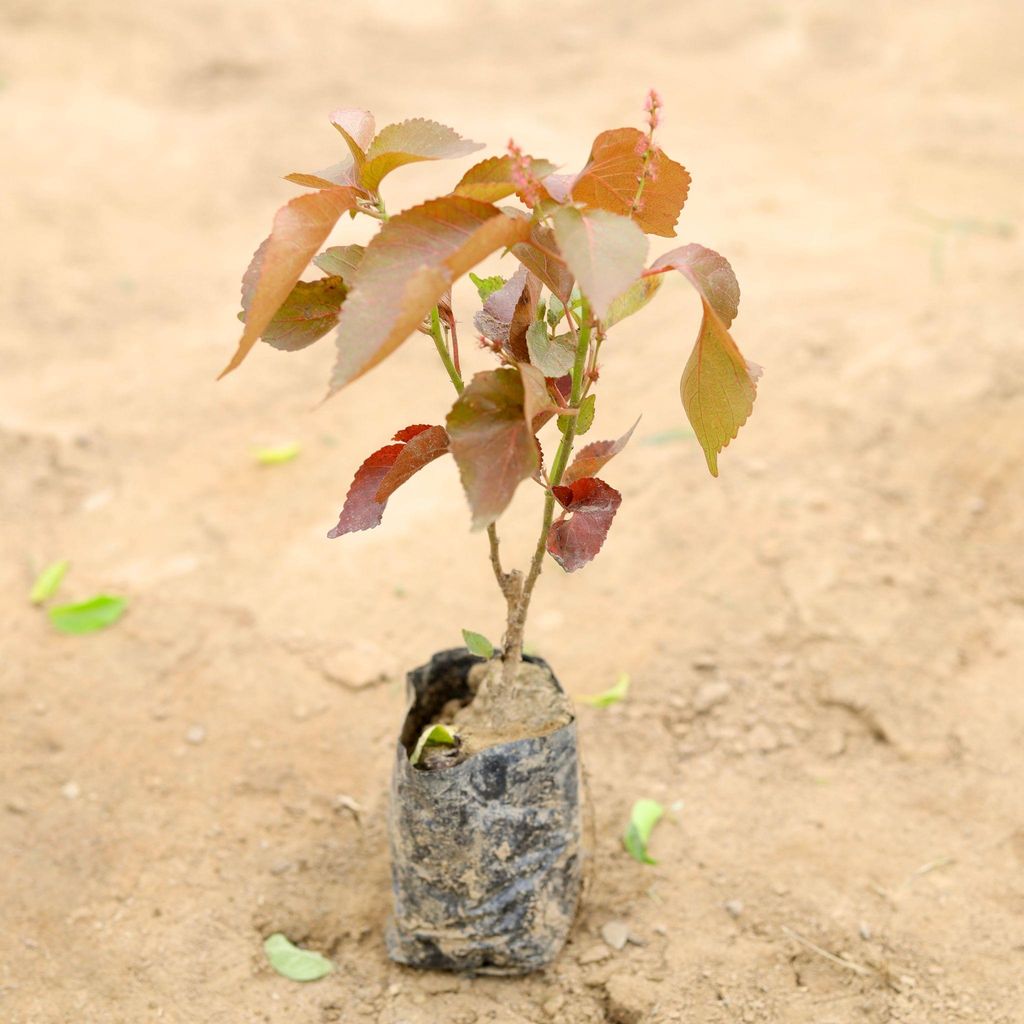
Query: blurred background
825	644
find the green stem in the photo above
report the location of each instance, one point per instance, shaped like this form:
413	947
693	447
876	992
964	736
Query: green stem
442	350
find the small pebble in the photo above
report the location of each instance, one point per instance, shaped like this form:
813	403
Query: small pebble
281	867
710	695
16	805
71	791
552	1008
733	907
616	934
195	735
865	931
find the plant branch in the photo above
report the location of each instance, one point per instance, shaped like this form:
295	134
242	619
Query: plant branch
517	616
510	583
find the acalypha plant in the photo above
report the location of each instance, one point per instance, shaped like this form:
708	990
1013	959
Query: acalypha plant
581	249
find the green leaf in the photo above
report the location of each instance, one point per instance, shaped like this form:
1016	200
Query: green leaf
554	357
432	736
493	445
300	228
88	616
341	261
493	179
277	454
294	963
487	286
311	309
478	644
633	299
604	251
718	386
610	696
409	142
644	816
48	581
585	419
408	266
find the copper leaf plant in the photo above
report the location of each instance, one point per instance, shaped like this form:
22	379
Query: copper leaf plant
580	264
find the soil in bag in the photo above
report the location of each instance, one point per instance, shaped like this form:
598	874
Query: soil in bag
485	834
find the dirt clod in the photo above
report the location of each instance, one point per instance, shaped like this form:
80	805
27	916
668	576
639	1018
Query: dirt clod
629	999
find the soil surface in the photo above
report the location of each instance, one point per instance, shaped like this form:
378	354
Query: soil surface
498	713
826	644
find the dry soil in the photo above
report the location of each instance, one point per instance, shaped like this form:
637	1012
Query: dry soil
826	644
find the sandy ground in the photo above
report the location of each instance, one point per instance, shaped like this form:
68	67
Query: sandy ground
827	644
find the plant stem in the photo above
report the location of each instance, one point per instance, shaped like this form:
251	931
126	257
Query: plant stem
517	615
510	583
442	350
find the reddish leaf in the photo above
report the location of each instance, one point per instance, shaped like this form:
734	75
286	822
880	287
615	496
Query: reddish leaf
300	228
409	142
493	446
507	314
541	255
310	311
590	459
538	406
610	179
329	177
376	480
420	451
718	385
410	432
361	510
407	268
709	273
559	186
344	260
356	128
591	506
604	251
492	179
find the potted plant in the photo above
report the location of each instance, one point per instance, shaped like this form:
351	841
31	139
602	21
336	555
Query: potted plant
485	819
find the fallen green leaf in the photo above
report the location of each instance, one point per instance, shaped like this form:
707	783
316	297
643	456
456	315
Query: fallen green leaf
294	963
478	644
432	736
277	454
644	816
610	696
88	616
48	581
